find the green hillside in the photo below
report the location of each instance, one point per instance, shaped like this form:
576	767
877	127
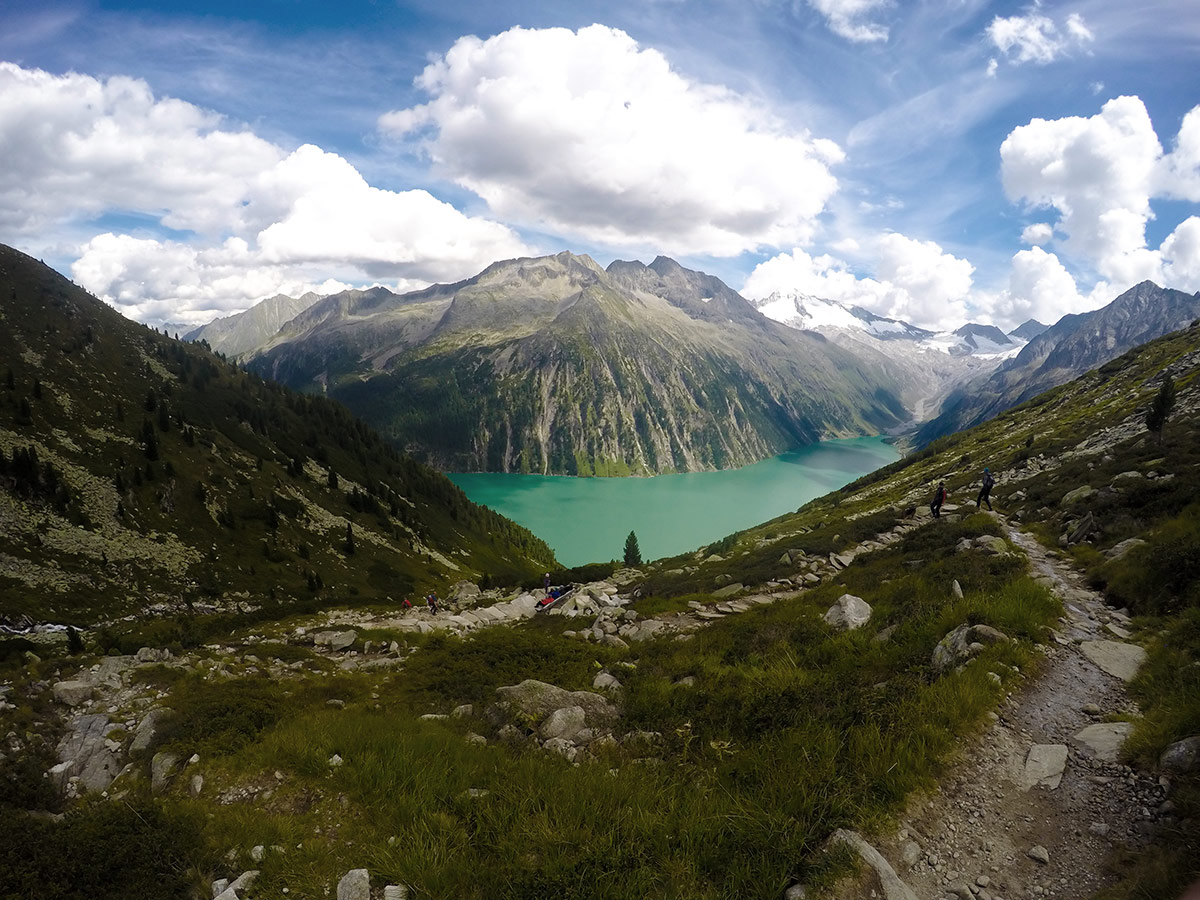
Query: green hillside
143	475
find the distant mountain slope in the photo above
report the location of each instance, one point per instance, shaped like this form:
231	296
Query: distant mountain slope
138	472
556	365
1028	330
926	365
1074	345
237	334
985	338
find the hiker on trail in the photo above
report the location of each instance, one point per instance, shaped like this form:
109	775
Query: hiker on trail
985	491
432	600
407	603
939	497
546	582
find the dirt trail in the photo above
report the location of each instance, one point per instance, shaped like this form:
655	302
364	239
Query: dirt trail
976	836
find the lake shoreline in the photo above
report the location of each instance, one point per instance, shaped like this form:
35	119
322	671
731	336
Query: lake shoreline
586	518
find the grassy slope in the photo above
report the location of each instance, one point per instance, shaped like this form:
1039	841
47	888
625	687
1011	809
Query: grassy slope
789	731
238	497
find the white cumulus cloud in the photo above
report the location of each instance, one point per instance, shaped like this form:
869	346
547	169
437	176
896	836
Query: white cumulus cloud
256	219
850	18
1181	255
590	135
1036	38
1040	287
915	281
1037	234
1180	171
1099	173
76	146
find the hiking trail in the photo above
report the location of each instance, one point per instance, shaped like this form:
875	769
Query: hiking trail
1035	804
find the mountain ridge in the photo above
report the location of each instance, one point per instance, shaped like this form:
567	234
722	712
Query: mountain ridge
1073	345
555	365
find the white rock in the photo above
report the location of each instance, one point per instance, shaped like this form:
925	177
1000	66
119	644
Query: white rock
848	613
72	693
605	681
1044	766
1105	739
355	885
1118	659
563	748
563	723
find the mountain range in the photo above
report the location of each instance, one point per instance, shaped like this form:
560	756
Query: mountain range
1073	345
556	365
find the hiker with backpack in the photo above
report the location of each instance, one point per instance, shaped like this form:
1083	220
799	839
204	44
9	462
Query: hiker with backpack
939	497
986	490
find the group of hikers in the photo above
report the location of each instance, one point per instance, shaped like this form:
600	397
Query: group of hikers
985	494
551	596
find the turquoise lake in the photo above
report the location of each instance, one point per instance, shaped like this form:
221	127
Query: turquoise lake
587	519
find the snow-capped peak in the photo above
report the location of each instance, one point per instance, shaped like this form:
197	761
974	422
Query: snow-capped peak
810	313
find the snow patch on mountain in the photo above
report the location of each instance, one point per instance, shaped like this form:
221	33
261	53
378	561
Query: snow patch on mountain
810	313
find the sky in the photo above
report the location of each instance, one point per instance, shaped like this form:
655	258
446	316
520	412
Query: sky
936	161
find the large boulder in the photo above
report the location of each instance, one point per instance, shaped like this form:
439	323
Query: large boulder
563	723
464	593
848	613
1118	551
335	640
84	754
72	693
964	642
355	885
1077	495
163	767
1083	529
532	702
1182	756
150	730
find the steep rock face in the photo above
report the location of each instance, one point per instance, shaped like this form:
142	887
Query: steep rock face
556	365
237	334
1072	346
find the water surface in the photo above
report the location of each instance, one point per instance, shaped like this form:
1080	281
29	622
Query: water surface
586	519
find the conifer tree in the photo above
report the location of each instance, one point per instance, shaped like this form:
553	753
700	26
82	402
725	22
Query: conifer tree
349	547
633	553
149	440
1160	408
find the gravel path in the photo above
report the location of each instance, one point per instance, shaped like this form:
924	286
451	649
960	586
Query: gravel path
1004	823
